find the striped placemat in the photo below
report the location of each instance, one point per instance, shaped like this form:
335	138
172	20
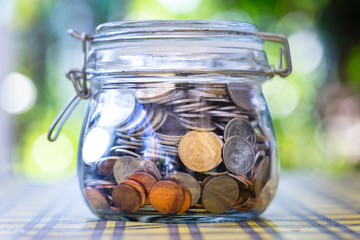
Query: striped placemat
306	206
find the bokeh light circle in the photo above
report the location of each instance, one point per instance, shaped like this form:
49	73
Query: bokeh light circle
17	93
50	157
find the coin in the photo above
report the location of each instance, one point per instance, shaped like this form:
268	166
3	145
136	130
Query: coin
127	152
198	125
118	108
138	188
262	174
95	144
126	198
171	127
189	182
153	92
243	95
242	128
167	197
146	180
151	168
187	199
125	166
189	107
135	121
96	199
220	194
238	155
200	151
105	166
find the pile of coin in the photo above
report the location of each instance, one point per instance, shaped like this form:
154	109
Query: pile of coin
179	148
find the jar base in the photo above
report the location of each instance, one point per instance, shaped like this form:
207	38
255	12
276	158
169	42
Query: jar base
230	216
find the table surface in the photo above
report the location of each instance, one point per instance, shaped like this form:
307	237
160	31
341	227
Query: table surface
306	206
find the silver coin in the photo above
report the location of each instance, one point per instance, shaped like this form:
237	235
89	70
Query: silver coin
126	142
124	147
150	168
127	152
126	166
205	109
118	108
242	128
243	95
192	115
173	97
238	155
201	126
189	107
226	114
133	123
183	101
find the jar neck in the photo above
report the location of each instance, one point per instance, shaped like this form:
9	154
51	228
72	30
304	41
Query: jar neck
181	47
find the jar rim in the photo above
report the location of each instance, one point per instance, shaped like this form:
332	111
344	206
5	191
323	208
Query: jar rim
174	25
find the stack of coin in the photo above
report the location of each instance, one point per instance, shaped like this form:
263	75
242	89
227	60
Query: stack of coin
172	138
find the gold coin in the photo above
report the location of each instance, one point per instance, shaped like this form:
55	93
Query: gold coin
200	151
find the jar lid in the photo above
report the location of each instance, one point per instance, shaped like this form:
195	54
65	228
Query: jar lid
177	46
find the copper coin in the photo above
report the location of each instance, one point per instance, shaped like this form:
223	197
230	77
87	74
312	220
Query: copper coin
187	199
126	198
106	165
238	155
96	199
138	187
242	128
245	191
125	166
167	197
189	182
146	180
243	95
220	194
262	174
200	151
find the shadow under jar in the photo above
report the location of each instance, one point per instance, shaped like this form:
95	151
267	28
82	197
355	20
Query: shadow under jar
177	128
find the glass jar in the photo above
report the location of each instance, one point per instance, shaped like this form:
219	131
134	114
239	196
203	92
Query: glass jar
177	128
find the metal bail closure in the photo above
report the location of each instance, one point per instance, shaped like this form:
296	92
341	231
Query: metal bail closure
79	80
281	71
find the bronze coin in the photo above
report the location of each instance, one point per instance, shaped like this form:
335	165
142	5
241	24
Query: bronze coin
242	128
220	194
200	151
126	198
96	199
105	166
138	187
167	197
262	174
146	180
238	155
125	166
187	199
189	182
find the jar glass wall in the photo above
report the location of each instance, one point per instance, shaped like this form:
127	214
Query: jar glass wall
177	128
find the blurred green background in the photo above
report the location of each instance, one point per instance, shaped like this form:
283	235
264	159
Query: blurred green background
316	110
